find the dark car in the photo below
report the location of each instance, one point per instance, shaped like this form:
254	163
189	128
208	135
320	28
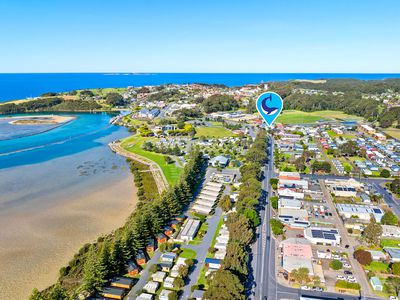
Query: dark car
348	272
347	246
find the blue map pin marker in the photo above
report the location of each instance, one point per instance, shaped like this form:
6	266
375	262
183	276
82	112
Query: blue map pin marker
269	106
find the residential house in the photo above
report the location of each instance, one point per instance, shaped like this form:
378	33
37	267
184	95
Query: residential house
122	282
141	258
161	238
151	287
113	293
132	268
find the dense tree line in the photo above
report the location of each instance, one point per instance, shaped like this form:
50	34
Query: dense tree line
34	105
228	282
219	102
350	103
48	104
96	263
389	116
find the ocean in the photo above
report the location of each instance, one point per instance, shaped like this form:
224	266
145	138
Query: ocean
19	86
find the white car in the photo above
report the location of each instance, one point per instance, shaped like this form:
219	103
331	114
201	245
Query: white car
304	287
393	298
347	266
340	277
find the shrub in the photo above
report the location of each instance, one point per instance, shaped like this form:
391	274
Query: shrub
395	268
276	226
385	173
336	264
274	202
347	285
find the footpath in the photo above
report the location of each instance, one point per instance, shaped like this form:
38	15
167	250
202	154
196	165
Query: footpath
159	177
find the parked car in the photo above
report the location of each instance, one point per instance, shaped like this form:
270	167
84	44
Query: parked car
346	272
304	287
340	277
347	266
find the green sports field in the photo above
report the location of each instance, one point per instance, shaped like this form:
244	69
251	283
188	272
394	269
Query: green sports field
213	131
301	117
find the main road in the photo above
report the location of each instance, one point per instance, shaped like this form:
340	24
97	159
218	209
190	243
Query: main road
263	252
262	278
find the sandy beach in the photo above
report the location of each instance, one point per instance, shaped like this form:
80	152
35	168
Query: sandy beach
40	120
34	245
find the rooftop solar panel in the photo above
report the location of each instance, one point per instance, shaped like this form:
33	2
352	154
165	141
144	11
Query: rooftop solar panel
317	233
329	236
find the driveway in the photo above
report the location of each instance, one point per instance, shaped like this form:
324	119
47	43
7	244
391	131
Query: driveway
201	250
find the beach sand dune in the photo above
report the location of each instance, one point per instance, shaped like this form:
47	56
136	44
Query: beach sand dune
35	244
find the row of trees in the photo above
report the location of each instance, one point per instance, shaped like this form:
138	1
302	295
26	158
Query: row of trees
149	146
227	282
48	104
97	262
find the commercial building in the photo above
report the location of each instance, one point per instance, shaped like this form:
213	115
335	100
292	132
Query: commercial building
219	161
323	236
289	203
297	214
362	212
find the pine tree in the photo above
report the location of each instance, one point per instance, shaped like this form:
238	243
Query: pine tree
90	271
58	293
117	260
36	295
103	259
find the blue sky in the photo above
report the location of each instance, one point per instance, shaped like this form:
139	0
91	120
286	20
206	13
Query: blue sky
200	36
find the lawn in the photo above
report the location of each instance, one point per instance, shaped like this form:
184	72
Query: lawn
134	145
377	266
390	243
301	117
393	132
148	180
213	131
188	253
199	236
202	277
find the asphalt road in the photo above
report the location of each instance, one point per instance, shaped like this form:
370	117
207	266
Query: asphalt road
263	254
263	274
